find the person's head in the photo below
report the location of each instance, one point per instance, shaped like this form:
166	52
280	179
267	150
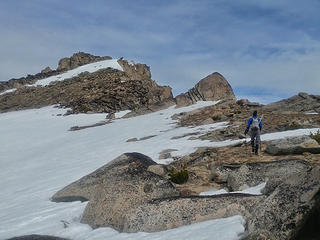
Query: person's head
255	113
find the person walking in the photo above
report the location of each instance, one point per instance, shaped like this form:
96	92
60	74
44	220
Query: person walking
255	125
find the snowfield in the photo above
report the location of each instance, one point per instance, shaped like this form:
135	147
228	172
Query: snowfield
39	156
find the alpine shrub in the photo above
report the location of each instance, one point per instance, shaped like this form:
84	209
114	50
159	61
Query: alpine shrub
292	126
179	176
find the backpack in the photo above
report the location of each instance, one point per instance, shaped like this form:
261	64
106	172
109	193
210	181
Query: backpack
255	123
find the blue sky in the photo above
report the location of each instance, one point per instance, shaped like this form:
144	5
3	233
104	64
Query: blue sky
266	49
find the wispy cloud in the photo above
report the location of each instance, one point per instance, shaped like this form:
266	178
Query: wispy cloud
274	45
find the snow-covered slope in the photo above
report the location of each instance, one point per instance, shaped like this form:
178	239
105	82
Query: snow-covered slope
91	67
39	156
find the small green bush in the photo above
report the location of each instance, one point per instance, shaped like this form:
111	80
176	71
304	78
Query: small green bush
216	118
316	136
179	176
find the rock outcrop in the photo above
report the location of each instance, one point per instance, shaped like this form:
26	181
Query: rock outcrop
116	188
127	196
241	176
77	60
302	102
289	203
293	145
289	200
164	214
211	88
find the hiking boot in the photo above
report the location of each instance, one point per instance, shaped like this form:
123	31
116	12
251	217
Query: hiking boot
252	144
256	150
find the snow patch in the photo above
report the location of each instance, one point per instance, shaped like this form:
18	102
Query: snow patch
256	190
311	113
8	91
91	67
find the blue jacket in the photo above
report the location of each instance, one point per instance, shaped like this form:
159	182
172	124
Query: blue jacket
249	123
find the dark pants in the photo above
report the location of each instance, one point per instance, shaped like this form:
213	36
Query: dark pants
255	138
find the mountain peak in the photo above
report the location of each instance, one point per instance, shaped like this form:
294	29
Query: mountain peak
78	59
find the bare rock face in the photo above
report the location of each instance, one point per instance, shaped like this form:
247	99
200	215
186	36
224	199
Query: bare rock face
78	59
289	200
240	176
289	204
115	188
302	102
125	195
211	88
293	145
164	214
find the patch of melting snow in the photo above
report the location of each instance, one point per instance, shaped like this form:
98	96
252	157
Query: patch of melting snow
255	190
311	113
8	91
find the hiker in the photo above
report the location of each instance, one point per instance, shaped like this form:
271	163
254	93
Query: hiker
255	125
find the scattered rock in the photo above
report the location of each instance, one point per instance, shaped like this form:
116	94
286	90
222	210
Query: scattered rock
140	139
147	137
165	154
132	140
293	145
111	116
77	128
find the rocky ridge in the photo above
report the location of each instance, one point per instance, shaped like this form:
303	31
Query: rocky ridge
302	102
106	90
76	60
